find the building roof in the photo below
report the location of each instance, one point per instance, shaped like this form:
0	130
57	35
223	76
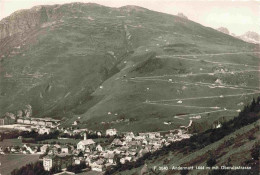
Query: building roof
49	157
87	142
111	129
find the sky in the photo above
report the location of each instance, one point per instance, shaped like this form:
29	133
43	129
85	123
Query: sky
238	16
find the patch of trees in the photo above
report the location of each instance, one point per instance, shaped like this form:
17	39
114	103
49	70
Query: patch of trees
10	135
255	151
75	136
78	136
35	137
29	137
77	168
34	169
248	115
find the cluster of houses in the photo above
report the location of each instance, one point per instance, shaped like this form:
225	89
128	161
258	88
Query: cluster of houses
41	125
45	122
124	149
25	149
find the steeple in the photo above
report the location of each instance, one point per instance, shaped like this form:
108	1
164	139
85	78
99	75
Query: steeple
85	136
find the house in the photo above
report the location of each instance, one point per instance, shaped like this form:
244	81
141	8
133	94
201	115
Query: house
34	122
88	160
2	121
142	152
128	138
44	148
125	159
19	120
65	149
44	130
13	150
48	162
41	123
97	165
75	123
134	143
67	132
99	148
78	160
28	122
88	149
99	134
49	124
139	138
29	149
111	132
131	134
117	142
110	158
86	143
153	135
117	151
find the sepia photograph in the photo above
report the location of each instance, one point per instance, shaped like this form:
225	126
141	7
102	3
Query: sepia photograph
129	87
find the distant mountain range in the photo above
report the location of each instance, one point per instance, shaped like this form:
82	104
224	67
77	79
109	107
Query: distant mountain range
251	37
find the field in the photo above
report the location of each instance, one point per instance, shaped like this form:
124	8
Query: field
9	162
11	142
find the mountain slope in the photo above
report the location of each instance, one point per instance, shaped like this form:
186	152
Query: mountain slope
115	67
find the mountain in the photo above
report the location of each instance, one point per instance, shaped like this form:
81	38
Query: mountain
128	68
251	37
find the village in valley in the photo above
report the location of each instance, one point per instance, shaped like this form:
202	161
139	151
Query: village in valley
95	150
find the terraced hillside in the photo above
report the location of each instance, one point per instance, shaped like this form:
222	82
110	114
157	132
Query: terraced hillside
128	68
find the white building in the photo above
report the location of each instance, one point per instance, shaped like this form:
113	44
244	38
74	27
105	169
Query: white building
97	165
47	163
83	144
44	130
125	159
34	122
64	149
99	148
49	124
27	122
19	120
42	123
111	132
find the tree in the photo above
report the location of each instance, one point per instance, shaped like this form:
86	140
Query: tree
212	160
255	151
80	154
184	172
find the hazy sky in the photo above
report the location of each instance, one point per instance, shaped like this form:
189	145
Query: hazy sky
238	16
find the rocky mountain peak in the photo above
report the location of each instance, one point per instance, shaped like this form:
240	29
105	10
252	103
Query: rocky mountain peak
182	15
223	30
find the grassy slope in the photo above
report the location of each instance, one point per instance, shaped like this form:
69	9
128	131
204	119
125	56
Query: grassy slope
125	97
65	63
15	161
